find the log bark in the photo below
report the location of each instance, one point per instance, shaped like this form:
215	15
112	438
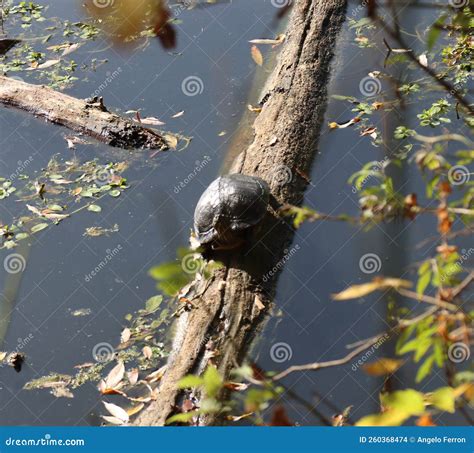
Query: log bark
229	309
88	117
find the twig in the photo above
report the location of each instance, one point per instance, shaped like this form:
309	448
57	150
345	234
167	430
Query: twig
446	85
427	299
420	317
443	138
318	365
463	285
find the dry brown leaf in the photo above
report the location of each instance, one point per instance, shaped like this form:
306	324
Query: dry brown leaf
356	291
273	42
117	412
254	109
135	409
151	120
147	352
125	335
382	367
132	376
112	420
258	303
115	376
425	420
45	65
256	55
171	140
236	418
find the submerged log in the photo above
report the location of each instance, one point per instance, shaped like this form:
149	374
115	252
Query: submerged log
229	309
88	117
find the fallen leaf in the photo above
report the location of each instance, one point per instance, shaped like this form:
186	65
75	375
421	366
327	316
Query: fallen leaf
152	121
356	291
256	55
117	412
125	335
147	352
115	376
132	376
135	409
178	114
274	42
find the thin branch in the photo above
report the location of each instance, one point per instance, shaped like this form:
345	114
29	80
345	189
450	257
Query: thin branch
427	299
331	363
463	285
445	84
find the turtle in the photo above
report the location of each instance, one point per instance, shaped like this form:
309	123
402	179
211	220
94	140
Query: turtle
229	209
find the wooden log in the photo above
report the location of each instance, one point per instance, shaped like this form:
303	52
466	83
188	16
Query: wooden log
230	308
88	117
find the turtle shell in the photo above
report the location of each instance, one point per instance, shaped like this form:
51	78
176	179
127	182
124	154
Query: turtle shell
228	208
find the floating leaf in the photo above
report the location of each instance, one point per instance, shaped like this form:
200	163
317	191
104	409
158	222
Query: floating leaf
115	376
256	55
115	193
94	208
153	303
39	227
117	412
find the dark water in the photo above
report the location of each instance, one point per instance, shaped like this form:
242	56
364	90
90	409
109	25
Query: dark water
154	220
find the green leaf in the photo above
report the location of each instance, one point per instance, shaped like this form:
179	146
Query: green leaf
434	32
115	193
94	208
425	369
153	303
212	381
181	418
422	349
190	381
39	227
423	281
388	418
56	208
408	401
444	399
